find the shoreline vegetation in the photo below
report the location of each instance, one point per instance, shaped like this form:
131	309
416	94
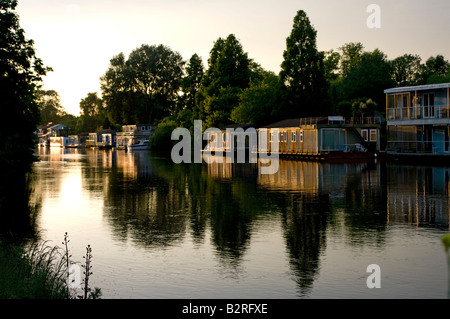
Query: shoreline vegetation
40	271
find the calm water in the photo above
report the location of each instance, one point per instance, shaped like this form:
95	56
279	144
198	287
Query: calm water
160	230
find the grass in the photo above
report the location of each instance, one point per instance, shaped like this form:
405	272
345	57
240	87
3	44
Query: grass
40	271
33	273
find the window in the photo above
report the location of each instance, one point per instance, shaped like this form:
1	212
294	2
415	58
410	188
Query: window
365	135
271	136
294	137
301	136
428	105
373	135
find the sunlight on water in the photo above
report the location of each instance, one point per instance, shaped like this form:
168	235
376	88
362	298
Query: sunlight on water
160	230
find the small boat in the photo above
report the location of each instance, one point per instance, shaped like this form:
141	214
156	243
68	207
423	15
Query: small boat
141	145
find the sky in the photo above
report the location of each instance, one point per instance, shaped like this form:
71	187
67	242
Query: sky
77	39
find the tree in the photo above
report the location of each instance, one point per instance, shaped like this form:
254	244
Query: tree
156	73
191	82
259	103
49	106
93	114
144	87
350	56
302	71
368	78
436	70
186	103
406	70
21	75
117	93
229	72
91	105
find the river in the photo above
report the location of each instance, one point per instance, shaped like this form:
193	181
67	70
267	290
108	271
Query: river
164	230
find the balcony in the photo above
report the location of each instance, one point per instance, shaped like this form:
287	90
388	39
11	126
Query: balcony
417	113
419	147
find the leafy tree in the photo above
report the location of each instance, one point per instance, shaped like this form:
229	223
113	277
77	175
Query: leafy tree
406	70
331	65
302	71
191	82
91	105
259	103
117	93
21	75
368	78
350	56
156	73
144	87
49	106
162	137
436	70
93	114
229	72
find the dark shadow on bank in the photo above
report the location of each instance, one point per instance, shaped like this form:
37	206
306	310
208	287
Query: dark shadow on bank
17	213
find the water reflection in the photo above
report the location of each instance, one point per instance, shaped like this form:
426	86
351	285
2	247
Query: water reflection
419	195
153	204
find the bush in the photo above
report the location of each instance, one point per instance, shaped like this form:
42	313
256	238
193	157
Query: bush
162	137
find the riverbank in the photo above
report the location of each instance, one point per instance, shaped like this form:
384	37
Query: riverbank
30	274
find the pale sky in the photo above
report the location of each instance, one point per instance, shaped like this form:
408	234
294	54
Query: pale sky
77	38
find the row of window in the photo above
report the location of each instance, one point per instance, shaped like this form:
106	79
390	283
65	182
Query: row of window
368	135
283	136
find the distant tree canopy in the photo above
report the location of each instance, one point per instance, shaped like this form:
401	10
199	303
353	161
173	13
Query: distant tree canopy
229	72
21	75
154	85
49	106
93	115
144	87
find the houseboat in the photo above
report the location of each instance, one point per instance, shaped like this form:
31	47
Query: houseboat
323	138
61	142
105	139
136	135
418	121
46	132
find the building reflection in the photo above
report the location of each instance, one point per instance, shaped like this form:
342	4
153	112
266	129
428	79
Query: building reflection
419	196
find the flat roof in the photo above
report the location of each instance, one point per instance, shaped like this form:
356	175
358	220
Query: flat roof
418	88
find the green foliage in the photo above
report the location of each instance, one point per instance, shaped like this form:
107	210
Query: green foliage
93	115
407	70
259	104
191	83
162	137
446	241
143	87
302	71
367	78
36	272
20	77
49	106
350	56
229	72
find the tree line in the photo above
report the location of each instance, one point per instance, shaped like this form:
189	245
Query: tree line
155	85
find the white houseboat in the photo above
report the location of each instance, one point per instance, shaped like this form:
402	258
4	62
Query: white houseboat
418	121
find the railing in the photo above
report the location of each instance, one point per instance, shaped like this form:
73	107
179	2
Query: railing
420	112
332	120
422	147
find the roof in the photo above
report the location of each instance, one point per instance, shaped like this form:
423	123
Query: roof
284	123
236	126
418	88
